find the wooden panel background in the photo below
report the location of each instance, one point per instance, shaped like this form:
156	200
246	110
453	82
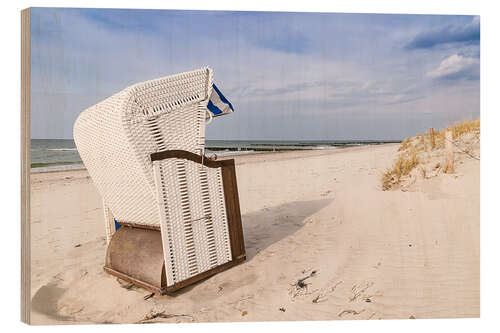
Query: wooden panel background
25	166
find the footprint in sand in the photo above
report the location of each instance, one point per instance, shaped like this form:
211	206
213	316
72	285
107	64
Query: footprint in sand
351	312
359	292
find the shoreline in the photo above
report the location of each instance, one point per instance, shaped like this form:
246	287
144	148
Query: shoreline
237	155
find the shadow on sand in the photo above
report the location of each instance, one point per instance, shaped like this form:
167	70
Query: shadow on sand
263	228
269	225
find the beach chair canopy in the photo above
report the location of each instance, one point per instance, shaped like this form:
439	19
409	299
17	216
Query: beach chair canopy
116	137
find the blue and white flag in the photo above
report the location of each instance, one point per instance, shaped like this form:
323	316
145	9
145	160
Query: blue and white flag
218	105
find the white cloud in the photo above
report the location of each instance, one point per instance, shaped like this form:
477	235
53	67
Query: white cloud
475	20
350	74
456	67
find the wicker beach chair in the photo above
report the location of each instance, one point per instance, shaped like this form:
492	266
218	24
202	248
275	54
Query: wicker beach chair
172	215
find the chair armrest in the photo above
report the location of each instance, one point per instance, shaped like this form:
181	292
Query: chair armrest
183	154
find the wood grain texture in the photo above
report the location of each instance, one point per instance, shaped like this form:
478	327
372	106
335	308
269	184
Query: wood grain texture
137	282
432	137
25	167
233	210
449	168
139	226
204	275
183	154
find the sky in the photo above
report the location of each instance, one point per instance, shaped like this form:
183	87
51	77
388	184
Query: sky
289	76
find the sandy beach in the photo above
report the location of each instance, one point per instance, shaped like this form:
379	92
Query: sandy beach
319	217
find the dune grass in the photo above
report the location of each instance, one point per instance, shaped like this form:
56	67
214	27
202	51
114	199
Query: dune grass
405	162
408	157
465	127
457	130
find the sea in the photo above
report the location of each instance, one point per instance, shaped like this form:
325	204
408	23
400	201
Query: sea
61	154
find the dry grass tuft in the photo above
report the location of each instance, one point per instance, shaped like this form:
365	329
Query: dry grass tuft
406	161
409	150
388	180
463	127
457	129
405	144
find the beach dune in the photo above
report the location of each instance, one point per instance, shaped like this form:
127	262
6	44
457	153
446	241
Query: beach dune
323	242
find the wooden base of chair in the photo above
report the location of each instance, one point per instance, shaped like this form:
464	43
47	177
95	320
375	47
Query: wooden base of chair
135	255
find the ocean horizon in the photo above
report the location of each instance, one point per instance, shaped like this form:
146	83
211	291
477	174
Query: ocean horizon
61	154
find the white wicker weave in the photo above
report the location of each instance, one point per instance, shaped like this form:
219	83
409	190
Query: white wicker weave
115	139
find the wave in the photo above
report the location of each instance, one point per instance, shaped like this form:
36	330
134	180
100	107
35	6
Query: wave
46	164
56	167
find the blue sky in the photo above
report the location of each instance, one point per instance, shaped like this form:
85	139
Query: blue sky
290	76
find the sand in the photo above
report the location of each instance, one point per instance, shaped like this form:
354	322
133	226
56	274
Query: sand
367	253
